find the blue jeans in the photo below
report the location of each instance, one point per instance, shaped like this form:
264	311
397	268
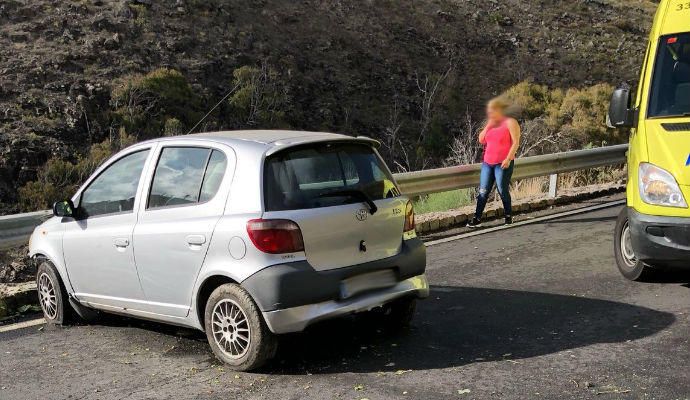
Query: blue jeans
501	177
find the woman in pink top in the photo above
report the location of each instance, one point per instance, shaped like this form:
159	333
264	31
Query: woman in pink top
501	139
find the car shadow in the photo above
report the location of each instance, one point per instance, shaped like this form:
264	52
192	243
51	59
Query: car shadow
454	327
670	275
462	325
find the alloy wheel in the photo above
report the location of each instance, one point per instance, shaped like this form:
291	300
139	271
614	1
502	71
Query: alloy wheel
231	329
47	296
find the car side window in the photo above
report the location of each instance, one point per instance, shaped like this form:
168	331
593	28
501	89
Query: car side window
186	175
114	190
217	164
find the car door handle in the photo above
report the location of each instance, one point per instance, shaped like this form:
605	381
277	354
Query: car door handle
121	242
196	240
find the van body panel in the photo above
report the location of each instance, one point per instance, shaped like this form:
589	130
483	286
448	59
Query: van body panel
669	150
650	141
676	17
655	236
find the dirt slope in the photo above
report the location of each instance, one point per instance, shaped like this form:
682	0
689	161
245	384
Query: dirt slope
348	65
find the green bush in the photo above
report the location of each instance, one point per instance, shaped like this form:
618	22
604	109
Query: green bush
172	127
143	104
142	14
259	99
444	201
565	120
534	101
583	115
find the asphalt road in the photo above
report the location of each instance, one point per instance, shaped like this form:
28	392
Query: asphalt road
533	312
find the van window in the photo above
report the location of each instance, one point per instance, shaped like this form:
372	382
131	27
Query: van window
186	175
670	90
324	175
113	191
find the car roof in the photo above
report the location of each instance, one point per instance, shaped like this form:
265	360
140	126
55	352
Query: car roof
270	140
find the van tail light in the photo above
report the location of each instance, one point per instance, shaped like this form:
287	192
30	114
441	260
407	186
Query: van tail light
275	236
409	218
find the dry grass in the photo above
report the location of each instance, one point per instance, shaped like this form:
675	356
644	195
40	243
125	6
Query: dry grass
521	190
536	187
531	187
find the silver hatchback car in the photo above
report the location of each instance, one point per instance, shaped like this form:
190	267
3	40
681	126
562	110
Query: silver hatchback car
244	235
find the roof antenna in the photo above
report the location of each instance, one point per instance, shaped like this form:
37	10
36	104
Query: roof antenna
212	109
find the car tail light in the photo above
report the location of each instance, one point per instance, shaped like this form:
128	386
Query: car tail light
409	218
275	236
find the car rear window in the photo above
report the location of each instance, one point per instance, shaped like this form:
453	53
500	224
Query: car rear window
324	175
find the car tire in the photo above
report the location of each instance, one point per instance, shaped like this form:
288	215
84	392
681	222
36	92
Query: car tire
52	295
235	329
628	265
399	314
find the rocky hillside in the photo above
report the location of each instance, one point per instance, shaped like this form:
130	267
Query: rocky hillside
404	71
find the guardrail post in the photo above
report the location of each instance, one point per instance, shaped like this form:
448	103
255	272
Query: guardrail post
553	186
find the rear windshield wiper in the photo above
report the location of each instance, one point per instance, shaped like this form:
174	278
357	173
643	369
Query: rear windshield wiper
357	194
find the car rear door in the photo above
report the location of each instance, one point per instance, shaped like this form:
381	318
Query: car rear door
325	188
186	198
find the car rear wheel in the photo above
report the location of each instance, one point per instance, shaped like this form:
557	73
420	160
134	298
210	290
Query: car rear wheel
235	329
52	295
626	260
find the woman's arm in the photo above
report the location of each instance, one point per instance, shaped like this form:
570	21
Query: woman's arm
515	133
482	134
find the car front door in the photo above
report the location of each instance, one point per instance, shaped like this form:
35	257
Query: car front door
186	199
97	244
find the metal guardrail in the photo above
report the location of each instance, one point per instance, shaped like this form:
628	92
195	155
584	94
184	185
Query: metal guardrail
15	229
467	176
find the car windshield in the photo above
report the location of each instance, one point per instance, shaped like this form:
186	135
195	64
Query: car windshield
323	175
670	91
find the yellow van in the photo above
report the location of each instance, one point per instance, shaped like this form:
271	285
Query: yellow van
653	231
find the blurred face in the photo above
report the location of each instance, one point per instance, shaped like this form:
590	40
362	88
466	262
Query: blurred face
494	114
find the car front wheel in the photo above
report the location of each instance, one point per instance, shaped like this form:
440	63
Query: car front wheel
52	295
626	260
236	330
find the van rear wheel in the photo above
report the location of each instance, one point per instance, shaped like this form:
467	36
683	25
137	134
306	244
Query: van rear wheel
235	329
626	260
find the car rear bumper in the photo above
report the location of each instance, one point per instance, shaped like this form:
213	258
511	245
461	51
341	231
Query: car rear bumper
296	319
660	241
294	295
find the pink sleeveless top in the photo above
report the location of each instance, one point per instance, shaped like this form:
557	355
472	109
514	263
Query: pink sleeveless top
497	143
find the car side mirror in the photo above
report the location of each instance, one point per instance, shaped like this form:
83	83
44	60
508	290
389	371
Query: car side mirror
64	208
620	113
